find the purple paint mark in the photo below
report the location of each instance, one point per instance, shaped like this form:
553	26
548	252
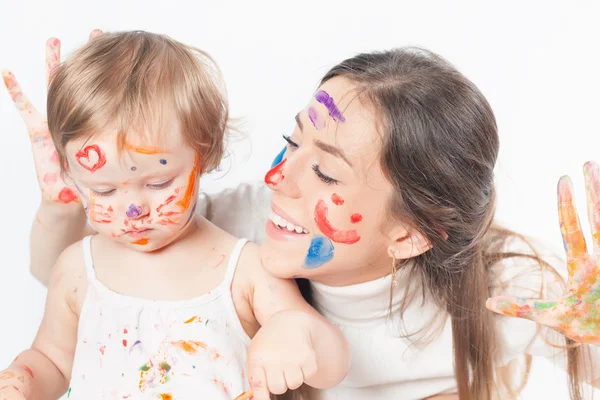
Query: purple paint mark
324	98
133	211
134	168
163	161
317	122
135	344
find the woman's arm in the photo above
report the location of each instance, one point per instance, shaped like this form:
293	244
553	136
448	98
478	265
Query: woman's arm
60	220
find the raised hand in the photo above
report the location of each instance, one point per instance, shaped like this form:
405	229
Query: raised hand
576	314
54	188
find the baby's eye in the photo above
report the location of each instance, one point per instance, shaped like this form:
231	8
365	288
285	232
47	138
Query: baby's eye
161	185
107	192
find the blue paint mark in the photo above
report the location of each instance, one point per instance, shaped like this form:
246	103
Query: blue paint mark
163	161
319	252
191	215
279	158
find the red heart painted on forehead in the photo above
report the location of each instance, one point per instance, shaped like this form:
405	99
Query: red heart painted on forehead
83	158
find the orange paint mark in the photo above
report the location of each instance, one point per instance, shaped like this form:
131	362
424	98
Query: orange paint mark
193	319
184	203
166	396
221	385
141	242
245	396
188	346
143	149
127	182
167	201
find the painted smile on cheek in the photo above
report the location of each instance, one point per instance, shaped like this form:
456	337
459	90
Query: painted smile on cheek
91	158
346	237
324	98
275	175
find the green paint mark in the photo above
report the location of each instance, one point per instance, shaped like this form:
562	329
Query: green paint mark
164	365
206	323
193	366
144	367
545	305
69	393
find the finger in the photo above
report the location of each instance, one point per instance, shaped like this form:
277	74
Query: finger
95	33
52	57
591	172
309	367
570	227
294	378
28	112
258	382
532	309
245	396
276	381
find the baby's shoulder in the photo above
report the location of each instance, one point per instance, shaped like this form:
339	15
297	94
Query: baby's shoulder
69	276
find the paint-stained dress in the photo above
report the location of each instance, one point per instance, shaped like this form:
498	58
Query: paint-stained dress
132	348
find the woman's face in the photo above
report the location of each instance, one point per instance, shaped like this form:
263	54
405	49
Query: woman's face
330	220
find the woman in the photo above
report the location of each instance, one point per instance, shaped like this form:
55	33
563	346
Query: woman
383	199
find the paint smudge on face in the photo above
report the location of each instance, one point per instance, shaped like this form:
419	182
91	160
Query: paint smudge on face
356	218
29	371
83	158
134	168
316	120
320	252
133	211
66	196
169	200
279	157
163	161
337	199
346	237
324	98
184	203
192	214
275	175
141	242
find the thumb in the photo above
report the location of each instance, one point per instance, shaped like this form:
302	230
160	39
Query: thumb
533	309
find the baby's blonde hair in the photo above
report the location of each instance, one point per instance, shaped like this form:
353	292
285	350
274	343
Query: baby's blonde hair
139	81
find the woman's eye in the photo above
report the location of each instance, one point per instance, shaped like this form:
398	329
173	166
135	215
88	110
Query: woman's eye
102	192
161	185
326	179
293	145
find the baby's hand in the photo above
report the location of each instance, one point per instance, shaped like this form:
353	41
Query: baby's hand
281	356
47	167
577	314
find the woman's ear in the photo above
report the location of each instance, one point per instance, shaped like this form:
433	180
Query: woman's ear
407	244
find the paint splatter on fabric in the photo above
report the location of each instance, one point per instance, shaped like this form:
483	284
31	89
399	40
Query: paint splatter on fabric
144	349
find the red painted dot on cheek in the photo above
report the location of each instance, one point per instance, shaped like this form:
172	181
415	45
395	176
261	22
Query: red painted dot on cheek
337	199
356	218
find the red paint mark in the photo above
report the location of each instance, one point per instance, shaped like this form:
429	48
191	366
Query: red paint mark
50	178
110	209
346	237
29	371
275	175
124	342
85	155
221	261
102	348
170	199
141	242
168	213
356	218
125	331
337	199
167	221
66	195
54	157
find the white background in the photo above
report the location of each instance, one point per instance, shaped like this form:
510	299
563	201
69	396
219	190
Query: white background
536	61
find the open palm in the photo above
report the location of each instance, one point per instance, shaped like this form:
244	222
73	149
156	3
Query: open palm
576	314
53	187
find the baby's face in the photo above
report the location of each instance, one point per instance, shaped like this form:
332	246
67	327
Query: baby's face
146	196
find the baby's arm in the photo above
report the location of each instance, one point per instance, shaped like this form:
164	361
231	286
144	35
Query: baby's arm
44	370
295	344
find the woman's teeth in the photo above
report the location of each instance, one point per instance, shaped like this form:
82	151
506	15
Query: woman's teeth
284	224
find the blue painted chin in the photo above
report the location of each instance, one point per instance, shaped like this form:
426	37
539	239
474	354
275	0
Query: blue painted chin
320	252
279	158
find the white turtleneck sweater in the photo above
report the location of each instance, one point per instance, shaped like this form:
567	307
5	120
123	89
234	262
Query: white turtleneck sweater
385	364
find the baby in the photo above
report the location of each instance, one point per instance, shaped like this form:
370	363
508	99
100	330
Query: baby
158	304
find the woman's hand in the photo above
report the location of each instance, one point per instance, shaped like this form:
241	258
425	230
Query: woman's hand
54	188
576	314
